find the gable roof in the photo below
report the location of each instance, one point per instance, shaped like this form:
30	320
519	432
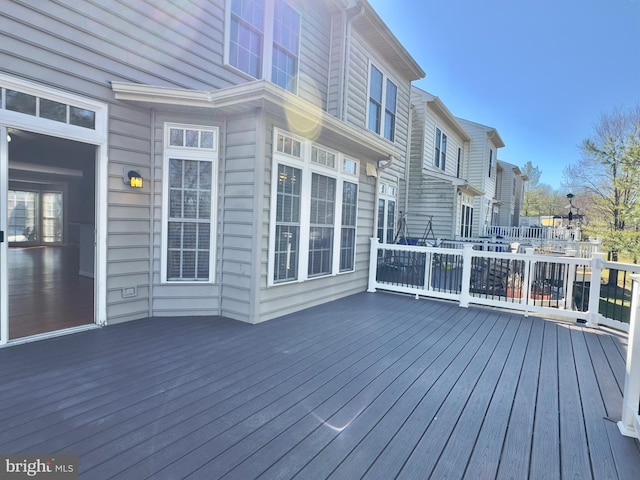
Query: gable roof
441	109
380	37
492	133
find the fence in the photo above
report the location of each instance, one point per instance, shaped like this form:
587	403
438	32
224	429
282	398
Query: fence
629	425
518	233
589	289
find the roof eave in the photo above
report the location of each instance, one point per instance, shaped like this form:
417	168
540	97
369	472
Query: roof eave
259	93
401	57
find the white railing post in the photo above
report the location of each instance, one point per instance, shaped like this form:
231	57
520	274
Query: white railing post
593	313
465	296
373	265
629	425
529	270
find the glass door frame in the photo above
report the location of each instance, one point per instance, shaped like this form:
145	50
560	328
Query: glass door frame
4	245
98	136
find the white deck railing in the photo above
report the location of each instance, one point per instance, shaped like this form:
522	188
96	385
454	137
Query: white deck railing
629	425
554	285
515	233
560	247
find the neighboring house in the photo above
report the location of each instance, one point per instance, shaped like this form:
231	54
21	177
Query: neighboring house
438	197
509	193
265	133
482	173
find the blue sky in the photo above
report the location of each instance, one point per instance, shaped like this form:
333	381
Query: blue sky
540	71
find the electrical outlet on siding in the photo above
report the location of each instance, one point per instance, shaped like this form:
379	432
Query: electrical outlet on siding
129	292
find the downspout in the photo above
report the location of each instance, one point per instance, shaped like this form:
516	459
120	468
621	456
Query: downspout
347	60
407	166
456	207
152	196
221	201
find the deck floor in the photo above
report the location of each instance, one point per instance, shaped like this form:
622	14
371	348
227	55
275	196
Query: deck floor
371	386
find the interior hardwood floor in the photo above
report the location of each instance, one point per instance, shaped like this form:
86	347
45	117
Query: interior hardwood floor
46	293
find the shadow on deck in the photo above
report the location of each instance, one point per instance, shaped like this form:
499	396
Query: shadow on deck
373	385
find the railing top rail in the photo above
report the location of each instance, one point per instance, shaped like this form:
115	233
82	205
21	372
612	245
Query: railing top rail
631	267
559	258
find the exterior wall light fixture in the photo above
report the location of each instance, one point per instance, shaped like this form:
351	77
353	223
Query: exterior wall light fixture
133	178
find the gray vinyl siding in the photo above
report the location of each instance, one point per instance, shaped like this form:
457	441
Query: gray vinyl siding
336	67
358	99
315	52
431	198
243	170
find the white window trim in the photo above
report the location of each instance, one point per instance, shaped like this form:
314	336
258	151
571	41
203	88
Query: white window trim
308	168
445	137
387	192
97	137
267	43
189	153
385	77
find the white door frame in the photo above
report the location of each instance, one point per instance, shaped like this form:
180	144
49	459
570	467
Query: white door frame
97	137
4	182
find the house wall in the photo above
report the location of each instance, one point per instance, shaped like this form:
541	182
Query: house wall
431	194
478	172
361	56
82	46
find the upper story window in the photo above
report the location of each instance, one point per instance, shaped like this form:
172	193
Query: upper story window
383	94
514	187
264	40
459	166
490	161
441	150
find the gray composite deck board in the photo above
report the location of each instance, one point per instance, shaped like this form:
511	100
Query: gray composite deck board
545	452
370	386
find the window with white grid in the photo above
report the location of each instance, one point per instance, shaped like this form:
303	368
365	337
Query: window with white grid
190	178
263	40
314	210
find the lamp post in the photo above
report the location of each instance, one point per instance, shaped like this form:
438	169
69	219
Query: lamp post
570	197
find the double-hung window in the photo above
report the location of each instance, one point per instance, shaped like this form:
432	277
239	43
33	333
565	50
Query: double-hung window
314	211
383	94
264	40
490	161
441	150
190	165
